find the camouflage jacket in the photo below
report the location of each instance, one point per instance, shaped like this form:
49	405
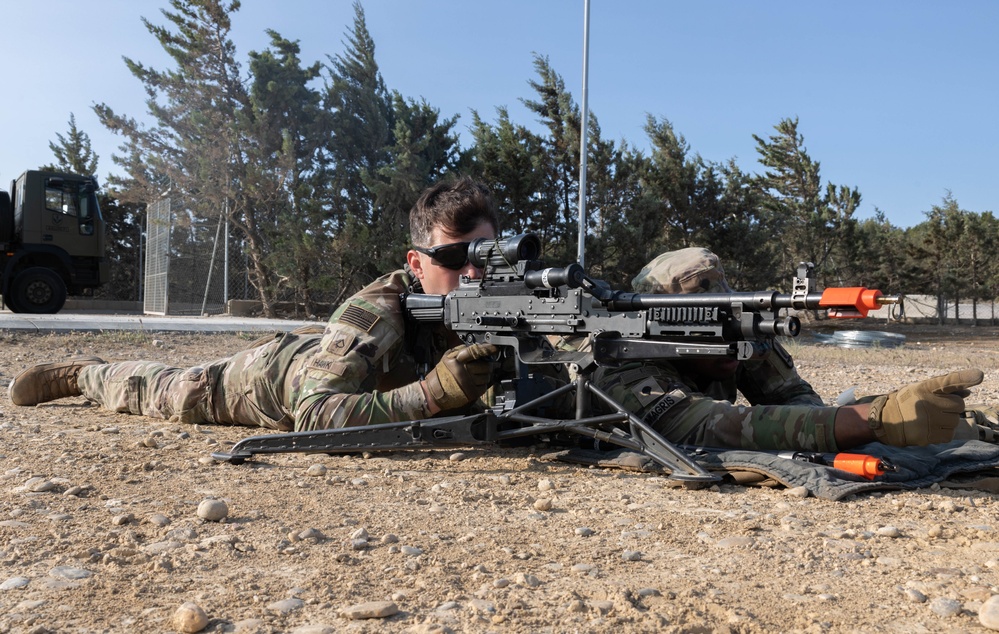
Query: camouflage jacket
367	367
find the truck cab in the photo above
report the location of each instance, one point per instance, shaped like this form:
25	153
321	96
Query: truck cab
52	241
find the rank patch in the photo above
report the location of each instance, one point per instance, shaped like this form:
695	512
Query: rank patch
341	344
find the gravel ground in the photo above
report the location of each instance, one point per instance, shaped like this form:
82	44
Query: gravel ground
113	523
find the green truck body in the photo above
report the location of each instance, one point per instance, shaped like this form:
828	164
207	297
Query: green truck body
52	241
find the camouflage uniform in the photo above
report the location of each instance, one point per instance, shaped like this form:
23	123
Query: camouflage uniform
786	412
364	369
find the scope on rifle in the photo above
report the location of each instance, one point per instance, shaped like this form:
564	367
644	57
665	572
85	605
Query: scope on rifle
484	252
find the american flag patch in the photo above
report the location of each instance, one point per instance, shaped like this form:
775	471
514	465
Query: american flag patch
359	318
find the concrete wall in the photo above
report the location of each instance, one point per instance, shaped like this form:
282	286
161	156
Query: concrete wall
114	307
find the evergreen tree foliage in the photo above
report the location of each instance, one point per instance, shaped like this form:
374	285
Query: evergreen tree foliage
424	149
508	158
124	228
361	120
384	149
559	165
199	148
951	255
318	180
705	204
811	222
879	255
615	213
73	152
286	130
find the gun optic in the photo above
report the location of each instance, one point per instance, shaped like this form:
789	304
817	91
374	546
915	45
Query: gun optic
485	253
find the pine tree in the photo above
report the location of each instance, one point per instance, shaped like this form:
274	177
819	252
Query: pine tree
361	114
616	247
671	179
507	158
285	148
73	152
812	223
560	160
424	150
200	145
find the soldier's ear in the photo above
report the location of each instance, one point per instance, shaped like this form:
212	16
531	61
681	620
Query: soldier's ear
415	263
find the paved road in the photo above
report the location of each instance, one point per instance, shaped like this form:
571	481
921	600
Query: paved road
82	322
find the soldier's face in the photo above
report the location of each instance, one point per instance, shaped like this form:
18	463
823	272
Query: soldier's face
440	280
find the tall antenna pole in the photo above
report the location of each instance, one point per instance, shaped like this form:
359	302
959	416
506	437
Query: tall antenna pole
583	130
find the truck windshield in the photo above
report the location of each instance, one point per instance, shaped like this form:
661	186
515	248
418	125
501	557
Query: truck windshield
62	196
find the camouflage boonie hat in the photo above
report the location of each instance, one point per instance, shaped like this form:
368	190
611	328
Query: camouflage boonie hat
691	270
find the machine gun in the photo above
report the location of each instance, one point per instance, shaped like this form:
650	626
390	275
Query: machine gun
518	303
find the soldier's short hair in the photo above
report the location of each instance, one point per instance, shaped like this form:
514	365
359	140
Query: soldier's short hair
691	270
457	206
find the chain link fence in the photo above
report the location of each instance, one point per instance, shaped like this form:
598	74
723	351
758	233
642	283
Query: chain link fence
193	265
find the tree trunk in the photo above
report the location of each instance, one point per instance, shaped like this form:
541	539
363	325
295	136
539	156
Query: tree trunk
262	275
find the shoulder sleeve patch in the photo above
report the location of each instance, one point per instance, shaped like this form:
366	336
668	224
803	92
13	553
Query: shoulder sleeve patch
359	318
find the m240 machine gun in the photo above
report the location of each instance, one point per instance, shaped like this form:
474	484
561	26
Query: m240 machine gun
518	303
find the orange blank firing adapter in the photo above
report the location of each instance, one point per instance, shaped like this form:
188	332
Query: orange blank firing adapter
854	301
863	465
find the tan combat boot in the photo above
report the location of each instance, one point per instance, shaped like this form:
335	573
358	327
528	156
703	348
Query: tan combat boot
49	381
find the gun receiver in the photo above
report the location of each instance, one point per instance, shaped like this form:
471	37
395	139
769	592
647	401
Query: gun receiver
518	302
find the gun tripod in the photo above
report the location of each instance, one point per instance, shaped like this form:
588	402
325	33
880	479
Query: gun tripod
620	427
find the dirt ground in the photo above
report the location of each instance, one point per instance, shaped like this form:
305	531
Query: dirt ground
100	528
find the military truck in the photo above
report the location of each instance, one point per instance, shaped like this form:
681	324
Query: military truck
51	241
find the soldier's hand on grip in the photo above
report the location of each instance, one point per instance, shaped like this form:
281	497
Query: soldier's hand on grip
923	413
462	375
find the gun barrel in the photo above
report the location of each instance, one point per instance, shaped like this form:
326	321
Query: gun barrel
763	300
841	301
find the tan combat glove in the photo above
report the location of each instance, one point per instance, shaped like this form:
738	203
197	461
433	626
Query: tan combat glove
922	413
461	376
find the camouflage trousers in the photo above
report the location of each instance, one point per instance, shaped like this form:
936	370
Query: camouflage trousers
247	388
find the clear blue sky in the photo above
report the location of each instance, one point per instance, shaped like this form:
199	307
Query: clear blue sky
895	97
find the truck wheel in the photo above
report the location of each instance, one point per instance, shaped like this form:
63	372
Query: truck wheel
37	290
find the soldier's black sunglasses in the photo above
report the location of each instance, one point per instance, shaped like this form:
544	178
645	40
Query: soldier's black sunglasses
452	256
